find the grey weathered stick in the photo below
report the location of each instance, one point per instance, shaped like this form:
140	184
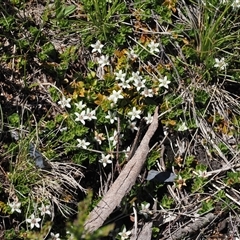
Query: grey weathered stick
192	227
145	233
123	183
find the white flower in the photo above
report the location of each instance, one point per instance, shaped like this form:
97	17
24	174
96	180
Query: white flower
236	4
220	63
132	126
63	129
33	221
105	160
45	209
147	92
127	152
55	236
65	102
115	96
82	143
114	138
124	84
103	61
134	113
164	82
111	116
201	173
90	114
120	75
182	127
124	234
99	137
135	76
153	47
80	105
139	83
15	207
81	117
97	47
145	210
132	54
148	119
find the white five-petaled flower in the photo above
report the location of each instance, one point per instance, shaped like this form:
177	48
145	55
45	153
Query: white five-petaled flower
145	210
134	113
90	114
97	47
55	236
120	75
236	4
65	102
114	138
153	47
45	209
135	76
149	118
105	160
221	64
124	84
139	83
15	207
182	127
81	117
132	54
133	126
103	61
112	117
33	221
147	92
115	96
164	82
80	105
125	234
82	143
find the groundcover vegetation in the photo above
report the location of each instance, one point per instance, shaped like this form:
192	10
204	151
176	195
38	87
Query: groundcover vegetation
80	83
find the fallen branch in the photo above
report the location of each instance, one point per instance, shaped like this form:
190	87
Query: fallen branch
193	227
145	233
123	183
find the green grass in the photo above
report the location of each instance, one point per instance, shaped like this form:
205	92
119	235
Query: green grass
81	106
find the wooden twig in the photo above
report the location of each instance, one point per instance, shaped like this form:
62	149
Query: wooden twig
145	233
123	183
192	227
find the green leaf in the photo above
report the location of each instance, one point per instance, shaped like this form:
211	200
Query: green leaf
201	96
197	185
50	125
80	157
167	202
48	52
14	120
54	93
206	206
68	10
152	158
